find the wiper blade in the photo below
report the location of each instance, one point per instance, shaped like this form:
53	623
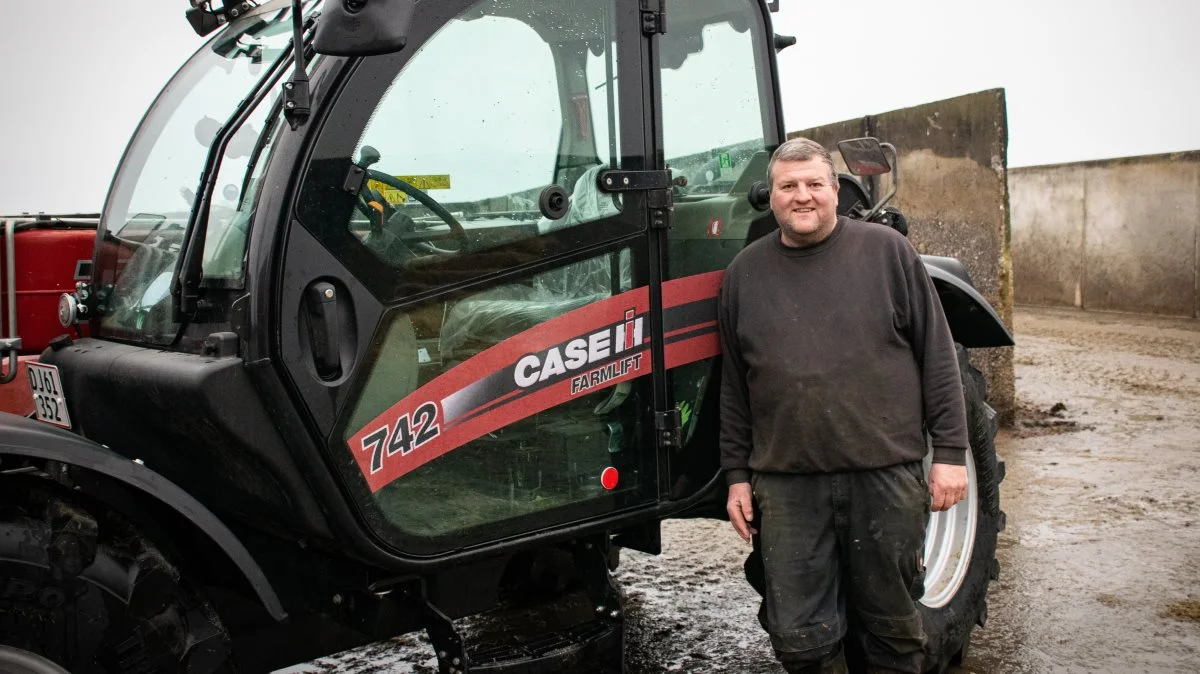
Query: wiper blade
185	291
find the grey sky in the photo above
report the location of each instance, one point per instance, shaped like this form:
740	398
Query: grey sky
1083	80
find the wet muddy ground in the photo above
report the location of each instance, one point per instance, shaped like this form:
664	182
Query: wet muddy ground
1100	563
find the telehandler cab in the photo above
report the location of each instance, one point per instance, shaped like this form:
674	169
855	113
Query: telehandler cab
422	330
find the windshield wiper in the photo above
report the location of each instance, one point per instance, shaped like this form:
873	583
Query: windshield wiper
185	291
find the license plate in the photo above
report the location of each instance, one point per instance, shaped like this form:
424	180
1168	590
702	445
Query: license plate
49	403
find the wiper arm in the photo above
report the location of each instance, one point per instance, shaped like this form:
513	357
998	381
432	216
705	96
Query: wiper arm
259	146
185	291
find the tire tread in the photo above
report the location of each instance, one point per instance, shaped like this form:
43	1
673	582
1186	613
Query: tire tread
72	542
949	628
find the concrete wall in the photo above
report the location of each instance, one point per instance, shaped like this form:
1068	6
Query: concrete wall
953	189
1117	235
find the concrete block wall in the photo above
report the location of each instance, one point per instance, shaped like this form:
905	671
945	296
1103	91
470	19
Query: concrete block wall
1115	235
953	188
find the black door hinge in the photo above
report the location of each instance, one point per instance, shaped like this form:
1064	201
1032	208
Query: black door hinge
616	180
654	17
669	426
656	184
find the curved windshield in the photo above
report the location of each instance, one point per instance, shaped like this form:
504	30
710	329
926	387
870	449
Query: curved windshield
153	194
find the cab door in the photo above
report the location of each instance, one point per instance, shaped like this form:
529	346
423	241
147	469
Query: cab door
718	115
474	340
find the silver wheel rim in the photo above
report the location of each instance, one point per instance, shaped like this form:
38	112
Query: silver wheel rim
949	542
20	661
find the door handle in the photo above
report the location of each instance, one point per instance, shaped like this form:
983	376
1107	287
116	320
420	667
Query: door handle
321	299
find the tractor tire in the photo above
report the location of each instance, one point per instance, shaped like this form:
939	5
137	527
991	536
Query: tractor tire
82	587
955	598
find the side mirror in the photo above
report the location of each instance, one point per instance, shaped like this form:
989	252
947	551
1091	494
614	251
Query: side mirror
869	157
363	27
864	156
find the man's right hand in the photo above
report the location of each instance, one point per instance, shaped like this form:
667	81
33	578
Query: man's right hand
741	509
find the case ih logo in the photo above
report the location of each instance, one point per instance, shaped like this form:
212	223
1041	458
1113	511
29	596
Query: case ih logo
579	353
582	351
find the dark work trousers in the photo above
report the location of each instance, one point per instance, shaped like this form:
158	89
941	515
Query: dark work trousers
844	541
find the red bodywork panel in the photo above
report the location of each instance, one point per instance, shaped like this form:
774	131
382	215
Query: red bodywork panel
50	258
15	396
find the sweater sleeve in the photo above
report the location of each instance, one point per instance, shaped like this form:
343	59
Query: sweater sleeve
941	382
736	434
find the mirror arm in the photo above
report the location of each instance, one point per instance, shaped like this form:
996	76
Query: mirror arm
895	183
297	98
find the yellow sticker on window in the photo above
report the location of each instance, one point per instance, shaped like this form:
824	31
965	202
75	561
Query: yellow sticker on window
392	196
423	183
436	182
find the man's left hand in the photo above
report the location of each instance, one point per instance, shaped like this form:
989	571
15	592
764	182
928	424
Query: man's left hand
947	485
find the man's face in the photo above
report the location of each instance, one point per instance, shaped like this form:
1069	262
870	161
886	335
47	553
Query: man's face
804	201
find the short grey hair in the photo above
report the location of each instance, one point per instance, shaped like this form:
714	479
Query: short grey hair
801	149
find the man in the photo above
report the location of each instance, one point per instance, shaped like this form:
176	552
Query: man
837	361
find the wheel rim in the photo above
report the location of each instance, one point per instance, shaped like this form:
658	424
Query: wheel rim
949	542
20	661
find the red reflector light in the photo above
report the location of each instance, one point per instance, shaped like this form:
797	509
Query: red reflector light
609	478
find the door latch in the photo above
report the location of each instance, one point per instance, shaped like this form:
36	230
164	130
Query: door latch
321	299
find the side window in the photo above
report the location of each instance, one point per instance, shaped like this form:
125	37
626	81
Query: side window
489	113
716	103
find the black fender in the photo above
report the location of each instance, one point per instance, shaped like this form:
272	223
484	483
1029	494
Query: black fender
973	321
34	440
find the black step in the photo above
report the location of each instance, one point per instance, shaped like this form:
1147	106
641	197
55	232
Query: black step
594	646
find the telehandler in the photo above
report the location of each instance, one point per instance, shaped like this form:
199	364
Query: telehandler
403	311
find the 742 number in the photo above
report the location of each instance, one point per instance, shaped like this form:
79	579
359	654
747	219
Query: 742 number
403	437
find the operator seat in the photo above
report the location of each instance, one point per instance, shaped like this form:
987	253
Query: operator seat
394	375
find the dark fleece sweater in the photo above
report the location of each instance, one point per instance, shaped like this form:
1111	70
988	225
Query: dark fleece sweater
837	357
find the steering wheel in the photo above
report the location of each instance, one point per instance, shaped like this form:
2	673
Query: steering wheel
457	231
